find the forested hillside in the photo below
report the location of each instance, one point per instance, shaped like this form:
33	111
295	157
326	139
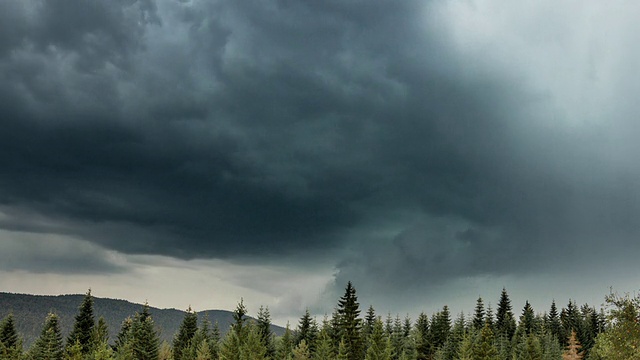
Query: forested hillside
569	332
31	310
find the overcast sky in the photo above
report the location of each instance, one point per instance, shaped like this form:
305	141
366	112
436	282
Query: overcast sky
195	152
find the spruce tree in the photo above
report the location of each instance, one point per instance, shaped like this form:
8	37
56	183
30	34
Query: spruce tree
144	337
423	342
307	330
527	319
440	327
554	327
369	321
264	325
285	346
484	348
324	343
252	348
505	321
301	351
350	323
380	347
49	345
82	332
124	334
186	332
478	317
8	334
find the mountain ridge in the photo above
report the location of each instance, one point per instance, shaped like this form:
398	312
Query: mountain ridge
30	311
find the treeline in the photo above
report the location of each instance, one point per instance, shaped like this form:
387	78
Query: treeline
573	332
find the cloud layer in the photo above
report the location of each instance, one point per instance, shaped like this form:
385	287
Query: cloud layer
392	141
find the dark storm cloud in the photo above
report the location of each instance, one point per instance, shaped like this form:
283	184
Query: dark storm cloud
259	128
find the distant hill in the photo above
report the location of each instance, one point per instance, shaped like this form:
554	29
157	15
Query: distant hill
30	312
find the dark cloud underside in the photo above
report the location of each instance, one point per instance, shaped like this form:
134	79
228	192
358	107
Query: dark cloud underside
264	128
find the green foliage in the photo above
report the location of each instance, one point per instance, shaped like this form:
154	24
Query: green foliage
49	345
505	321
82	332
622	339
478	316
307	330
301	351
380	347
10	344
350	324
527	319
266	335
186	332
252	347
440	328
324	343
423	342
483	348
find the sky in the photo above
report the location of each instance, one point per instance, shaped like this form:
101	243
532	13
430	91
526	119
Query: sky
196	152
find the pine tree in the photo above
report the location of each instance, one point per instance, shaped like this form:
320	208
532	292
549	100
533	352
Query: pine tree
203	352
380	347
527	319
324	343
440	327
285	345
124	335
554	327
307	330
252	348
49	345
100	336
478	317
186	332
369	321
484	348
350	323
231	346
423	343
9	341
505	321
83	327
264	325
166	353
144	338
301	351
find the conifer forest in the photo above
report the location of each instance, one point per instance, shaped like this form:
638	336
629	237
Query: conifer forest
351	332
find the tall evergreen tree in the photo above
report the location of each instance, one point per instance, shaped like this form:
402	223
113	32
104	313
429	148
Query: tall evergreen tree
83	326
484	348
8	335
505	321
307	330
186	332
324	343
440	327
350	323
379	345
478	317
264	325
49	345
553	325
144	337
285	346
123	335
252	347
369	322
527	319
423	342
